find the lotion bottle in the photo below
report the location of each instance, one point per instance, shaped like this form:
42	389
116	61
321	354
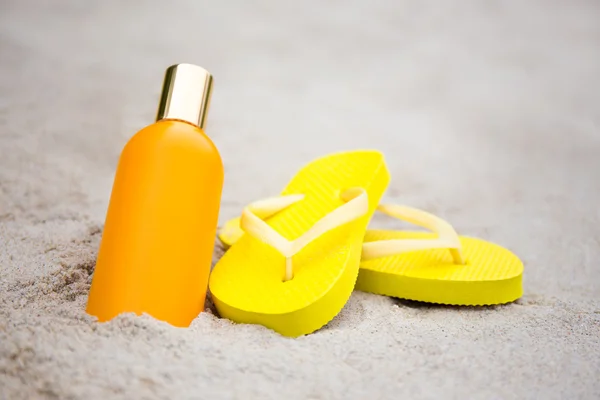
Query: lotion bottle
156	249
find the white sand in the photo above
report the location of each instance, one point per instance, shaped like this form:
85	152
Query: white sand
488	113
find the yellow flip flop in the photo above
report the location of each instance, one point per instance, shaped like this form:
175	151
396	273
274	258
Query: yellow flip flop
439	267
295	272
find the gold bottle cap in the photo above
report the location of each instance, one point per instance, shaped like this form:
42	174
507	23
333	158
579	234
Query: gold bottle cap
185	94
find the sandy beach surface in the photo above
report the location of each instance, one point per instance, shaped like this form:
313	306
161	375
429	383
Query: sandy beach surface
488	114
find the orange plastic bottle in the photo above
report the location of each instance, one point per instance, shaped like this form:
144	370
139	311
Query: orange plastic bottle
158	239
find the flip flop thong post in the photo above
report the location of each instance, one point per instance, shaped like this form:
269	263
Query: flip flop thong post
294	272
439	267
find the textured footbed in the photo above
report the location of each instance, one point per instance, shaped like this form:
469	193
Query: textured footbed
247	283
491	275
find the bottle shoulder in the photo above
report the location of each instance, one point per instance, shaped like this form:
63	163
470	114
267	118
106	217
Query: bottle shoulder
174	135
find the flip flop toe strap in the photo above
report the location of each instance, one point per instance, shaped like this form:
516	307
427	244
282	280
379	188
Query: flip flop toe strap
356	205
447	236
